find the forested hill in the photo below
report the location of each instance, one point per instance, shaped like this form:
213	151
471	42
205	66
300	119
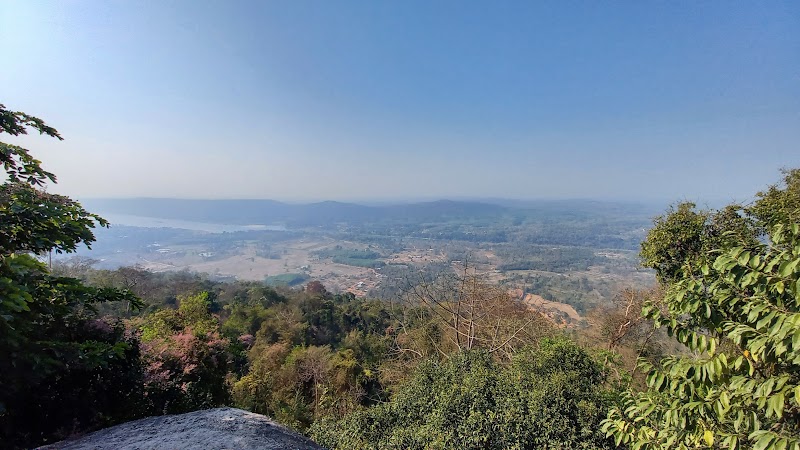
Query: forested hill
246	212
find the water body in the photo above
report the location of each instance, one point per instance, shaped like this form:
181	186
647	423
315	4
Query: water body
155	222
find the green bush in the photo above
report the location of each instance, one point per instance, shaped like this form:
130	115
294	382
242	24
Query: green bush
548	397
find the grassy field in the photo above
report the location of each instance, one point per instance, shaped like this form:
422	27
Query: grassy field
287	279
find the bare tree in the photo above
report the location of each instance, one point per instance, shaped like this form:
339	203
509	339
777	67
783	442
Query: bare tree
449	311
622	323
622	327
75	267
313	368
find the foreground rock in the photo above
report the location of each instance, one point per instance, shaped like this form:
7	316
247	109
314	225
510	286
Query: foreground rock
221	428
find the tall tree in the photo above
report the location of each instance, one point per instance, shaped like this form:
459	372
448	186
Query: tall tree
60	367
732	281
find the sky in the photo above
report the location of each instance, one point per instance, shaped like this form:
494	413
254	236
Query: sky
364	100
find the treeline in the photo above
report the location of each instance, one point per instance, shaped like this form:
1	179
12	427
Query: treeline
303	357
319	362
526	227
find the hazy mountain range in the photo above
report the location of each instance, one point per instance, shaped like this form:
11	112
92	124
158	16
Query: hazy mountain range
330	212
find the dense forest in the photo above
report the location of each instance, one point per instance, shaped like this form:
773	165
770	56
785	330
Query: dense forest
708	358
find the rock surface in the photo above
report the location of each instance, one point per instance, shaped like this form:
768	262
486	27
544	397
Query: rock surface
221	428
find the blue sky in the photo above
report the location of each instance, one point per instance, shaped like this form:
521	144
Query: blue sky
309	100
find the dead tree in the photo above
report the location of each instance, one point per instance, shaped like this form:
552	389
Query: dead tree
452	311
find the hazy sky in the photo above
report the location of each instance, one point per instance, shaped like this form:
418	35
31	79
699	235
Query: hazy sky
298	100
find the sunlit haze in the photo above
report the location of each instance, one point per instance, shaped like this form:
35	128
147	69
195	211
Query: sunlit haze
323	100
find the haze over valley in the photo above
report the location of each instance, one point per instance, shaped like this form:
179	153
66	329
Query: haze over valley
574	254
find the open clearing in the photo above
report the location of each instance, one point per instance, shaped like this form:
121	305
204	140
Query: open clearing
294	257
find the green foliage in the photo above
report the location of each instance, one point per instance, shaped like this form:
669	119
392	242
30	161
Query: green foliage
63	370
193	315
674	239
160	325
556	398
17	162
547	398
683	238
35	221
311	354
779	204
195	311
85	376
300	384
737	307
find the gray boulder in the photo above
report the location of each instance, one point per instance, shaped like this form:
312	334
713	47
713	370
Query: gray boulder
220	428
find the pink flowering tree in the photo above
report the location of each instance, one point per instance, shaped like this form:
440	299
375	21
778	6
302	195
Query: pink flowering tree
186	360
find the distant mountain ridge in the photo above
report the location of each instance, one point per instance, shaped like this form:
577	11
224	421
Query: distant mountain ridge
248	212
272	211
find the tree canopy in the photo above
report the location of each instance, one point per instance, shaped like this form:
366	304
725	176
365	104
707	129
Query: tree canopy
732	280
548	397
